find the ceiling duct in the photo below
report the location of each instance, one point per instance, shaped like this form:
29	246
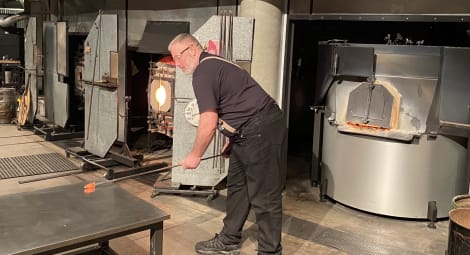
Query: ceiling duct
158	34
11	12
8	21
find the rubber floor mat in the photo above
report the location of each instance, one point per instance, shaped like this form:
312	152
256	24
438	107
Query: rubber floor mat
34	164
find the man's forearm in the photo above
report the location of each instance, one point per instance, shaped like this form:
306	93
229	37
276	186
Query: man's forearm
205	132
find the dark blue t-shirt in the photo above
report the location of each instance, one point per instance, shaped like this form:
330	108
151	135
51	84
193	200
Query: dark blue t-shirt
228	89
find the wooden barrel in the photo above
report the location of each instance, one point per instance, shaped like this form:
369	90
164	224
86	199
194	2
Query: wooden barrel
7	105
461	201
459	232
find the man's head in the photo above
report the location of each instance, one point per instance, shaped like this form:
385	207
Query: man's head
185	50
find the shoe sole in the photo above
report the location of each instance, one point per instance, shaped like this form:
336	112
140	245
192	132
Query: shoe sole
232	252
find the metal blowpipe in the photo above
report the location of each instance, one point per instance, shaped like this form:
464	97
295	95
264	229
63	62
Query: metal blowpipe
90	187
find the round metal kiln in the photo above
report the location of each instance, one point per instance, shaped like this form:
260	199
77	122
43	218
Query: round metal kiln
382	150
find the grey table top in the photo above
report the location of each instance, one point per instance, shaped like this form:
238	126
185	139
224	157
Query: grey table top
51	218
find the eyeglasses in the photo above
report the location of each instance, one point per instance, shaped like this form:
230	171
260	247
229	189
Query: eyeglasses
182	52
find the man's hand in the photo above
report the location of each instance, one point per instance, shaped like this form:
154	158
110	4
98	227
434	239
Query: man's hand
204	134
227	148
190	162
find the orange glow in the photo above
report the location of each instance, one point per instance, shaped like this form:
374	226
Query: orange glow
160	95
366	126
89	188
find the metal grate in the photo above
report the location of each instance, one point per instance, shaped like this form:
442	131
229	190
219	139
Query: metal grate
34	165
10	11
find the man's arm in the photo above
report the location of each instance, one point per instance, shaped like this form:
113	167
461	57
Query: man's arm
205	133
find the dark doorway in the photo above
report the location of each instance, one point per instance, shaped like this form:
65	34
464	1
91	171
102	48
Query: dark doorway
74	79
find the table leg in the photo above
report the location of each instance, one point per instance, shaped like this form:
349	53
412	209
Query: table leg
104	247
156	239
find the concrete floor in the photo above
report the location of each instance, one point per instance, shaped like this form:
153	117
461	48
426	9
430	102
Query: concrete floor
310	226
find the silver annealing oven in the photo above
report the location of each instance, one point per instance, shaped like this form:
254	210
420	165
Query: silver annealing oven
384	149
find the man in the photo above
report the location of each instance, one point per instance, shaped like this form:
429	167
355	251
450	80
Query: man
231	100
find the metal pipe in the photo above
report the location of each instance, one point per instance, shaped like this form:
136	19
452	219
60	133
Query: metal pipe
42	178
10	20
164	169
95	164
454	125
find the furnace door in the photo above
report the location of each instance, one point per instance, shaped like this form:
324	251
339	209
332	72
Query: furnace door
31	59
55	90
101	97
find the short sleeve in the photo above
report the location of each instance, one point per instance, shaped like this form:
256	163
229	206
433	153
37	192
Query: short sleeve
206	87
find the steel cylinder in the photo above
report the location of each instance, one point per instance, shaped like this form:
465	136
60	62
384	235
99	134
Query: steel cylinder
8	77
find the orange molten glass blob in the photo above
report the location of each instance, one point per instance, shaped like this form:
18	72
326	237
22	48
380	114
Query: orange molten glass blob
89	188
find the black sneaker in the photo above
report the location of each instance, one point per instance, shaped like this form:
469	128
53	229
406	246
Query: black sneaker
216	246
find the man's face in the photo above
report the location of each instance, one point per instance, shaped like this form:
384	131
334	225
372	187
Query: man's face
184	56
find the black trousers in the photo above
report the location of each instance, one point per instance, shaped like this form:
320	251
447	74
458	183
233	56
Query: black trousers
256	178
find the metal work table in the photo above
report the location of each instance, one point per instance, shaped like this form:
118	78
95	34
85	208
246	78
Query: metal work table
63	218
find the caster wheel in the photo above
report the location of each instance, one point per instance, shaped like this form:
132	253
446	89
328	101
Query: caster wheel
109	175
84	167
154	194
211	197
